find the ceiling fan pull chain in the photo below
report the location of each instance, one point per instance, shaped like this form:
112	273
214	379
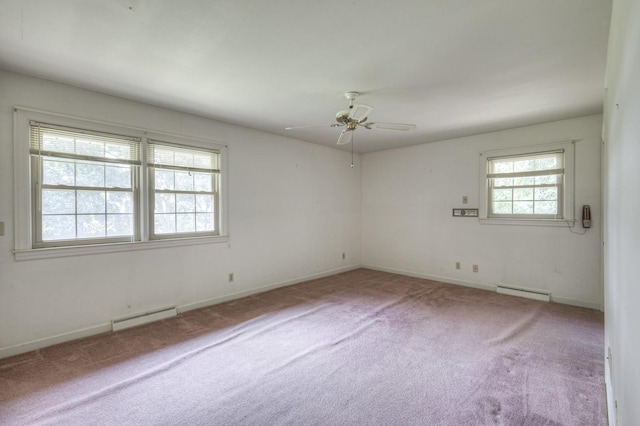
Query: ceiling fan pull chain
353	141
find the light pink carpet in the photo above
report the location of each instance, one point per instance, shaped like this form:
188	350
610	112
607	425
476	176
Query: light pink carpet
359	348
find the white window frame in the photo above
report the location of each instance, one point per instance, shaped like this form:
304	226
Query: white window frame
215	192
24	201
567	197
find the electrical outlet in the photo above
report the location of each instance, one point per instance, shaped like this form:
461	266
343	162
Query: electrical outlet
475	268
457	265
344	256
231	277
465	199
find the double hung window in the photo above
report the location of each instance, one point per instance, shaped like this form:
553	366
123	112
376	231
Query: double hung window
86	185
184	190
531	183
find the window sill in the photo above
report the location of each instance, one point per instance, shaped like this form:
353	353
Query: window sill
528	222
53	252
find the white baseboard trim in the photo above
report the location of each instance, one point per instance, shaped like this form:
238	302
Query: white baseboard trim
431	277
54	340
107	327
483	286
611	407
238	295
575	302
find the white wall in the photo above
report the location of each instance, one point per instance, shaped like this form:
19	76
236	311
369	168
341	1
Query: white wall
622	204
294	208
407	225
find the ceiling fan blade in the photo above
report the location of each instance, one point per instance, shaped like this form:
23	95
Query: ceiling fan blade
312	126
390	126
345	137
360	112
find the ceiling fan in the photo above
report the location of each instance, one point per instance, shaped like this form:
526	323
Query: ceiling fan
355	116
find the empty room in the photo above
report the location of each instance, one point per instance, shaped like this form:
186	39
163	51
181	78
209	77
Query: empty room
319	213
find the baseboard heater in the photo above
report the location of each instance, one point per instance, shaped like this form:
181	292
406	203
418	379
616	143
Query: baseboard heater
529	294
122	323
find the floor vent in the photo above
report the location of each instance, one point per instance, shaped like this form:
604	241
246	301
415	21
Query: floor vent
121	324
529	294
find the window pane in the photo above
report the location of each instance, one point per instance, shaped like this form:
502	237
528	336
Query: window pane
202	182
91	202
503	182
524	181
162	156
523	165
546	193
502	208
204	203
90	174
164	223
117	151
523	207
547	180
184	181
57	143
91	226
546	163
204	222
58	172
164	179
119	225
55	201
119	202
58	227
546	207
502	166
89	147
185	203
203	161
186	222
523	194
165	203
183	159
118	176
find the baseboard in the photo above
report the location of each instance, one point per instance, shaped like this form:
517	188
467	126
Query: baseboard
575	302
431	277
104	328
107	327
483	286
238	295
54	340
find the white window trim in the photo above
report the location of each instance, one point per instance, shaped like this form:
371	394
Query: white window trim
568	187
23	241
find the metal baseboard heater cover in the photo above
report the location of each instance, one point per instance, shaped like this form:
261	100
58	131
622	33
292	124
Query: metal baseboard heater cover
147	317
529	294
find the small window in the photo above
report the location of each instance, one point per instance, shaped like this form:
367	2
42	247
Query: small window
84	185
533	183
184	191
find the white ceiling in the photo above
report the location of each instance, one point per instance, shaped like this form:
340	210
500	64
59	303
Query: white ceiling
452	67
